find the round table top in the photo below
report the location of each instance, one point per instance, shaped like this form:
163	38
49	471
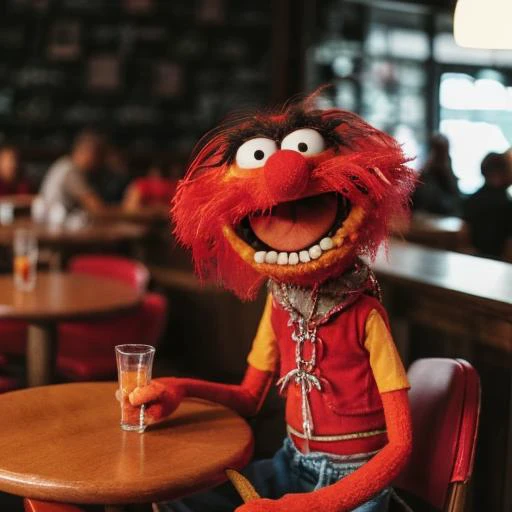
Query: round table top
90	234
63	443
66	296
23	201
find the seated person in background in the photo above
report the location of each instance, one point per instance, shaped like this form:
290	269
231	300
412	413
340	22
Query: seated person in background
437	191
111	182
12	180
153	191
488	211
66	181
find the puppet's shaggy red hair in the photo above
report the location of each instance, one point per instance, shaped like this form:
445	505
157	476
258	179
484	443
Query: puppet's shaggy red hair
372	174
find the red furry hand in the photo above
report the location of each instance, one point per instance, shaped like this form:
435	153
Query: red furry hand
161	399
288	503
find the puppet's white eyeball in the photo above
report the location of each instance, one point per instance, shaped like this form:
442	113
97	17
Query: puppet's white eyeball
255	152
305	141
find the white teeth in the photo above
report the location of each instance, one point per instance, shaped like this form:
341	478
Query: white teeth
304	256
293	258
271	257
315	252
282	258
259	257
326	244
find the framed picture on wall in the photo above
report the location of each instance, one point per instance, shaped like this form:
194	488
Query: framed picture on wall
64	40
103	73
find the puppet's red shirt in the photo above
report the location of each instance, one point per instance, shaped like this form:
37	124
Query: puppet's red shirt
356	362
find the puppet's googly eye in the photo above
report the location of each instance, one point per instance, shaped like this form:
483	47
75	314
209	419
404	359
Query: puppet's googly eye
306	141
255	152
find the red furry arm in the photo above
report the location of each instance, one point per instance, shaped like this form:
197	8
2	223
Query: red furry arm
162	396
246	399
364	483
382	469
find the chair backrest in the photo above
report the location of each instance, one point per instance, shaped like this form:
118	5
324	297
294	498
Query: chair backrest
445	407
131	272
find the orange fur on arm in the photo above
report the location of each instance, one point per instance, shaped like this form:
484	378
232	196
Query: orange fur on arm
246	399
376	474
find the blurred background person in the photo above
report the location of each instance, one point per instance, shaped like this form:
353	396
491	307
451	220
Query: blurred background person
488	211
112	180
438	191
66	181
12	179
152	191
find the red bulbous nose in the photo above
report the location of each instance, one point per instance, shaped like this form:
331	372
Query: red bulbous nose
286	174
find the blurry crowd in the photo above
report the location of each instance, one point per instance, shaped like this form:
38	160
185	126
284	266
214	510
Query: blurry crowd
487	212
95	175
92	177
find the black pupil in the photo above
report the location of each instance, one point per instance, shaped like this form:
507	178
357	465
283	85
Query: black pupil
258	154
303	147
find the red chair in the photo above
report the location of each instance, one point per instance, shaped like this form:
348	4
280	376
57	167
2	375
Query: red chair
445	407
43	506
13	342
86	349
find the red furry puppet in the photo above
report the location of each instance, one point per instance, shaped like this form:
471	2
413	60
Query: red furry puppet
294	199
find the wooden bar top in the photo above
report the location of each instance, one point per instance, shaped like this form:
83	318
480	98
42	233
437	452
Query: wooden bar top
485	282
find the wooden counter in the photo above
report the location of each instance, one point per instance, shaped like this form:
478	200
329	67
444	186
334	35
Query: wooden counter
455	305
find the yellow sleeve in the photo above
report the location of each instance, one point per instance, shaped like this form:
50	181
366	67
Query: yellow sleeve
264	354
387	367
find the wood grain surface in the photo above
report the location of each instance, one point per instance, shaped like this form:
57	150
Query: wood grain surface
62	296
481	281
63	443
93	234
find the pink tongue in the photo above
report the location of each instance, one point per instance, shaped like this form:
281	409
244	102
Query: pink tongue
296	225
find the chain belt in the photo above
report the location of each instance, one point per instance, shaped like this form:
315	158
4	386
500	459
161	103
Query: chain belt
339	437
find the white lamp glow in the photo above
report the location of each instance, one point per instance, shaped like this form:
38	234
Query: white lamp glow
483	24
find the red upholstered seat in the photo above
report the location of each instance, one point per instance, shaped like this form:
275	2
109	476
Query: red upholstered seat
132	272
8	384
86	349
13	339
13	342
43	506
445	406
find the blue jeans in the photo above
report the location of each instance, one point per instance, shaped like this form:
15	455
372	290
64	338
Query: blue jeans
289	471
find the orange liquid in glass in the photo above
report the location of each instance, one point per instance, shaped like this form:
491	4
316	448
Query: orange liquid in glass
22	268
129	380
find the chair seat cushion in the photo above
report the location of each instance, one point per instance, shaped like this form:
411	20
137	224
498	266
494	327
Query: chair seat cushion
86	349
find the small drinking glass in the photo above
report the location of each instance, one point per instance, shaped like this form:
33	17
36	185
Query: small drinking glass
134	367
25	259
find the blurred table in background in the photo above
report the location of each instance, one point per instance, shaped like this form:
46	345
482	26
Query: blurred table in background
435	231
448	304
20	203
63	443
149	216
60	297
64	241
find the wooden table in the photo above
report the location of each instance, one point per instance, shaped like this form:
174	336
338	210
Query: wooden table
59	241
467	302
59	297
63	443
91	234
19	202
141	216
464	294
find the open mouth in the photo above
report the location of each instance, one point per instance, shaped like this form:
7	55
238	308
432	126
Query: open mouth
295	231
